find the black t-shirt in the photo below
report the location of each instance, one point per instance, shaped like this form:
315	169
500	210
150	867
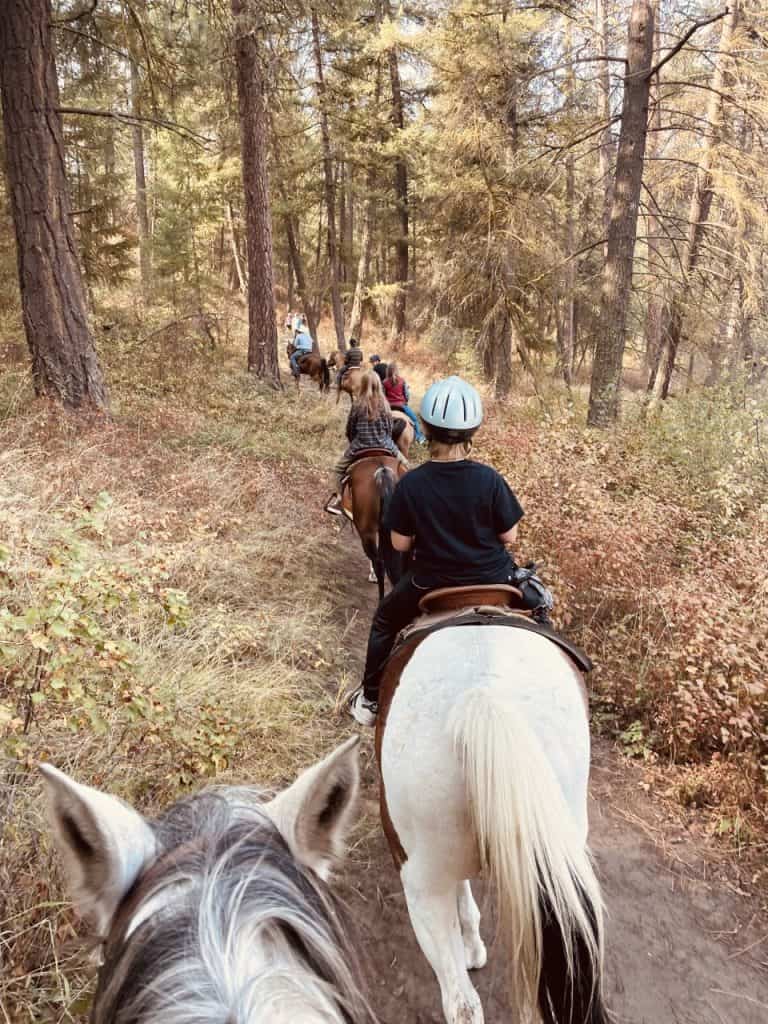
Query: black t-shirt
381	370
456	511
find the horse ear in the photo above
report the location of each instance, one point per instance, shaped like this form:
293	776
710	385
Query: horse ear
103	842
315	813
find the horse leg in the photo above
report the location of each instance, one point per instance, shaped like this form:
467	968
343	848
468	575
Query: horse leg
376	570
433	909
469	915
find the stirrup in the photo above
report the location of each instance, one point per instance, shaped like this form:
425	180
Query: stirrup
333	506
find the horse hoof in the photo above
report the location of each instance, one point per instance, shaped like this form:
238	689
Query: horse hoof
372	577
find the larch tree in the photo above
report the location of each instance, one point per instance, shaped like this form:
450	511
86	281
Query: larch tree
65	366
702	194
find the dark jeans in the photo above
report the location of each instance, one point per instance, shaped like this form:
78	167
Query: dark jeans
398	608
395	611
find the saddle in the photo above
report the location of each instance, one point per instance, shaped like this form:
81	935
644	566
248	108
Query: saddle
494	605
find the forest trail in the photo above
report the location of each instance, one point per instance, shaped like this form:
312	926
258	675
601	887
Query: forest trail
682	946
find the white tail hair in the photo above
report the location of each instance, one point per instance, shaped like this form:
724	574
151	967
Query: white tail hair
532	848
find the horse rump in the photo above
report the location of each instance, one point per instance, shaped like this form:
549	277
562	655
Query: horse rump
550	908
398	426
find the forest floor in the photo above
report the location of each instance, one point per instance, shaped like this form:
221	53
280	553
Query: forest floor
245	609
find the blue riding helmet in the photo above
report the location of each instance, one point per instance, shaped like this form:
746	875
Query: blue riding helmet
452	405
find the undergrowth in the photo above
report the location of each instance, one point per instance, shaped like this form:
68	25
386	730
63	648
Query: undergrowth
174	605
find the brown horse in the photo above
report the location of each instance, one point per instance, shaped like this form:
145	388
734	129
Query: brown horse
315	366
402	436
365	498
350	383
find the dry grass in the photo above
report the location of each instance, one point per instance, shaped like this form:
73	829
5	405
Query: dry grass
216	491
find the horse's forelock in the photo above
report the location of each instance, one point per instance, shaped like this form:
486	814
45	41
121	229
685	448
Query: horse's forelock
226	879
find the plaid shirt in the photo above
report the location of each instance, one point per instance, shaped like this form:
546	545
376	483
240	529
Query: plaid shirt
365	433
353	357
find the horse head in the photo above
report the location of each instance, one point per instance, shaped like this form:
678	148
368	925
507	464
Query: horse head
218	910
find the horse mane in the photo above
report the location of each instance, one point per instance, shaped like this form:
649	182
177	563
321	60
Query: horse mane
224	884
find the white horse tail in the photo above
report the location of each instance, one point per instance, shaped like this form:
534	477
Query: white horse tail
550	908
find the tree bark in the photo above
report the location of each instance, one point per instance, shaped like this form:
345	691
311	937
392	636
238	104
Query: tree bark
566	331
329	188
605	390
289	283
366	239
300	274
698	213
230	221
604	113
262	322
363	267
655	312
64	362
142	213
401	199
342	197
503	357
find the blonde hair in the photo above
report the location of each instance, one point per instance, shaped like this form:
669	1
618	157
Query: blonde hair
371	398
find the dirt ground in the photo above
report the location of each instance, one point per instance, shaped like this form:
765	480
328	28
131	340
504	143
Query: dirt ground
684	944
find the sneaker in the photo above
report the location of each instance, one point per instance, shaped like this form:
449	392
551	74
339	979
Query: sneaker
333	506
363	711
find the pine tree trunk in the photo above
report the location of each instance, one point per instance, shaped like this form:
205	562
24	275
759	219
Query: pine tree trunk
655	311
241	282
503	357
329	188
142	214
300	274
366	240
342	194
290	283
567	329
605	387
109	165
401	199
262	323
363	266
701	203
64	362
604	113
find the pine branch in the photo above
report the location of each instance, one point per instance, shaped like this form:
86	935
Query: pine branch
93	39
131	119
681	43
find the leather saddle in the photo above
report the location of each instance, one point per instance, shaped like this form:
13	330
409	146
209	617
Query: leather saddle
493	605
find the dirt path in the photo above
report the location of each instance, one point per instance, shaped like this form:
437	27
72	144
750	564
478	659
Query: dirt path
683	947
